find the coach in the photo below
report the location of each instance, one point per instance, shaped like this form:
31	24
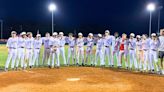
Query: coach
161	49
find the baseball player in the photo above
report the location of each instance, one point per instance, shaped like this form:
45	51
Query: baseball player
145	48
153	59
29	49
123	46
89	50
132	51
71	50
21	50
80	49
46	51
116	47
99	51
37	46
54	51
108	45
161	49
139	52
62	48
12	50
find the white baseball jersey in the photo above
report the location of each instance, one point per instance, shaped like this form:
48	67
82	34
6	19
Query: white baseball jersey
29	43
62	41
99	44
116	43
139	45
132	43
154	44
108	41
12	43
90	42
21	42
37	43
71	42
46	41
145	44
80	42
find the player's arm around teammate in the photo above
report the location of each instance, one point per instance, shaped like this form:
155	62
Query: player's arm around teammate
12	50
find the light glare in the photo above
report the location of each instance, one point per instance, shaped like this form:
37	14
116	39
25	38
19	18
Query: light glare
52	7
151	7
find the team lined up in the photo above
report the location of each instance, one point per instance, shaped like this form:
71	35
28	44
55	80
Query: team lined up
142	51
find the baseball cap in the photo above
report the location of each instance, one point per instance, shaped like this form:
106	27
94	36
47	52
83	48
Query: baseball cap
107	31
55	33
13	32
153	34
90	34
99	35
23	33
132	34
138	36
61	33
38	35
80	34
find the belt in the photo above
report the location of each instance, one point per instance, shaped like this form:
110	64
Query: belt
29	48
37	48
144	50
153	50
21	47
47	48
61	46
131	49
80	46
107	46
12	48
71	46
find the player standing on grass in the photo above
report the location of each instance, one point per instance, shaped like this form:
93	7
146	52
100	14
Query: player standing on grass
21	50
108	47
145	48
123	53
116	47
62	48
71	49
139	52
54	51
132	51
89	50
161	49
99	51
80	49
29	49
153	59
12	50
46	52
37	46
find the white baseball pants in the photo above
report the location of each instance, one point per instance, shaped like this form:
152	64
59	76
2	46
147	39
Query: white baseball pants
21	57
36	57
71	52
46	55
133	60
80	55
12	55
99	53
62	53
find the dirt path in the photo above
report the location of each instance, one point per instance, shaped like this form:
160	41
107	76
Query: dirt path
81	79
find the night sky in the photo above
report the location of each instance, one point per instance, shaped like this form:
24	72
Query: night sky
80	15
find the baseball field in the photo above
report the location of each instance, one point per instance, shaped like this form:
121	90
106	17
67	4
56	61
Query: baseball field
76	79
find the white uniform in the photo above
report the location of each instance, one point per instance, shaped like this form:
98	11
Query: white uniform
21	51
71	50
99	52
115	49
37	46
54	52
108	49
132	53
145	48
62	48
46	52
89	50
139	53
29	51
153	58
12	51
80	50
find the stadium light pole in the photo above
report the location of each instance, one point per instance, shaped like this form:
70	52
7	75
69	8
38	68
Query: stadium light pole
159	17
1	29
150	7
52	8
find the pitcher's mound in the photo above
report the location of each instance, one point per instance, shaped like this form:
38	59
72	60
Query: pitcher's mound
79	79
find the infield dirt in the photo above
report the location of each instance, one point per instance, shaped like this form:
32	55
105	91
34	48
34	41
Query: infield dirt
79	79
